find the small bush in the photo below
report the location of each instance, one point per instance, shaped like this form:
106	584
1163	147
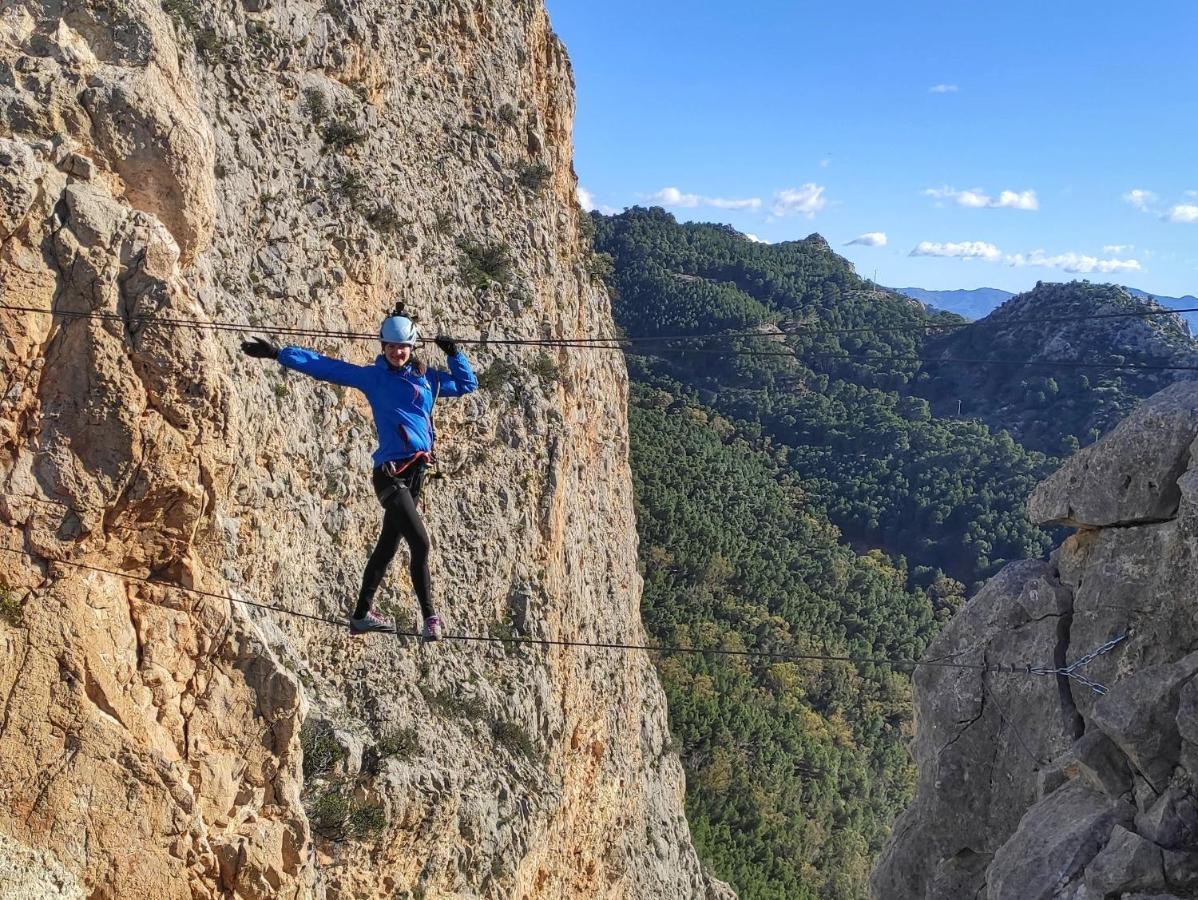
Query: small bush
329	813
351	186
365	821
513	737
586	229
314	105
321	750
189	17
403	743
341	135
534	177
11	610
507	114
499	373
544	367
386	220
443	224
446	704
482	265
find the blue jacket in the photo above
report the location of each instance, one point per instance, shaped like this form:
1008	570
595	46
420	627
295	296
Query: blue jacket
401	400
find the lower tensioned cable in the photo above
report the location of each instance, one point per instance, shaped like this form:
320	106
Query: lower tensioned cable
783	655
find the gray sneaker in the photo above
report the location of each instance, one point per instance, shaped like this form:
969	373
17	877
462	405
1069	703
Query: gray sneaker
372	621
434	630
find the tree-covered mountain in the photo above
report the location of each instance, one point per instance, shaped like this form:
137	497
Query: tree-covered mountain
835	396
1056	406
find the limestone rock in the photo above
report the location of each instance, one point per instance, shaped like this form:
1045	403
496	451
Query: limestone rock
1130	475
991	731
1115	814
1099	761
1139	715
226	163
1127	863
1054	843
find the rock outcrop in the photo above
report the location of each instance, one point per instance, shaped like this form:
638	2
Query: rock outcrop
293	164
1040	786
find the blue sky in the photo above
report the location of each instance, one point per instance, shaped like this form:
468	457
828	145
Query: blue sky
992	144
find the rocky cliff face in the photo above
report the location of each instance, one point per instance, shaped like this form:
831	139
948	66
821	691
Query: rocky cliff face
1039	787
300	164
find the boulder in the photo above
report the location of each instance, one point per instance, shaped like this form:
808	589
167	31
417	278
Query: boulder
1127	863
982	738
1139	715
1101	765
1130	476
1055	842
1172	821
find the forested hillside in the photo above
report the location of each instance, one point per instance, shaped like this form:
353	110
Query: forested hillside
794	768
807	482
1055	407
831	399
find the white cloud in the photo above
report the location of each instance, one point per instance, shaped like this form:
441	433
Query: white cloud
961	250
825	162
744	203
585	199
943	89
1140	199
1183	212
979	199
1075	263
806	200
671	196
1118	248
870	239
755	239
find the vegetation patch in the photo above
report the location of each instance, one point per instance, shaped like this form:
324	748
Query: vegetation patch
336	816
507	114
402	743
484	264
545	368
188	16
11	610
321	750
498	374
533	177
314	105
600	266
514	738
446	703
341	135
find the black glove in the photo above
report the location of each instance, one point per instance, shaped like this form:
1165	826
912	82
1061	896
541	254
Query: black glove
447	344
260	348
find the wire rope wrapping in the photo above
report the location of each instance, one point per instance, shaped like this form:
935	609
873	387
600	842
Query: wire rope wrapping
1071	670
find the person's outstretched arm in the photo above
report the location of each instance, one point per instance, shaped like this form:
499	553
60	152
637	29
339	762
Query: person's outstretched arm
460	378
309	362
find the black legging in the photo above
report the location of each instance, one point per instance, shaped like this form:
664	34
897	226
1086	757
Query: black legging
400	519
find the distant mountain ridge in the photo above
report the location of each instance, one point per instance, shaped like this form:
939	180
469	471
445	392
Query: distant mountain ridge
972	304
980	302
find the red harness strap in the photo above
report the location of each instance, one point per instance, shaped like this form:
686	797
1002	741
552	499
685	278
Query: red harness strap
395	467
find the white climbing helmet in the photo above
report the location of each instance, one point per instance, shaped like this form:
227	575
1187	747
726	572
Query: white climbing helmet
399	330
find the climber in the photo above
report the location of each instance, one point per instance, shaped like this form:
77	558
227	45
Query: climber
401	391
